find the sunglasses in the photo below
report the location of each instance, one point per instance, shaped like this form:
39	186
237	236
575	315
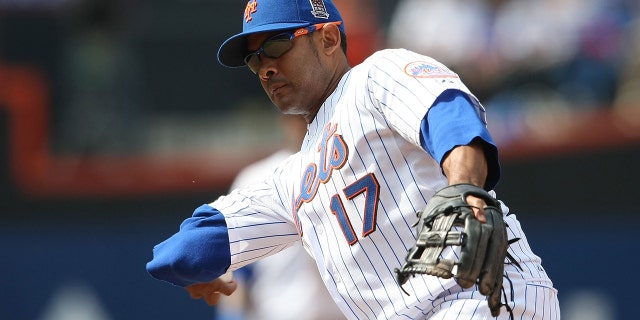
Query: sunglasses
276	46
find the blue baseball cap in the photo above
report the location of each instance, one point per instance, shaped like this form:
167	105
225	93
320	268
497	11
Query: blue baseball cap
274	15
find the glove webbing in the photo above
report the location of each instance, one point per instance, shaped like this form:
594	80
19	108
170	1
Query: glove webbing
434	239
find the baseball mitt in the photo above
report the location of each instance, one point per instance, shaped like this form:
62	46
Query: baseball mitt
483	246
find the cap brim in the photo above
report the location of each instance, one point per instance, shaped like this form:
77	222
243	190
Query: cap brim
233	51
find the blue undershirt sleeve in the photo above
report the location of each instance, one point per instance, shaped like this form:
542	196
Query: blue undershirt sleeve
453	121
199	252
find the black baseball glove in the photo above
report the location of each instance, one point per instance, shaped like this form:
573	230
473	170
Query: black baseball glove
483	246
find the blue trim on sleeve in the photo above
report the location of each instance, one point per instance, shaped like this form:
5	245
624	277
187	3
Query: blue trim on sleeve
453	121
198	252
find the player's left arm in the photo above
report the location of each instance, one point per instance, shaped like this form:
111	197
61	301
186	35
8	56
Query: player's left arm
455	135
467	164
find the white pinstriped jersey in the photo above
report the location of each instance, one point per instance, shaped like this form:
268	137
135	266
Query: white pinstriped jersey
352	193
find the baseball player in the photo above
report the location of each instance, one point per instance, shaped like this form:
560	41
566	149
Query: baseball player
383	138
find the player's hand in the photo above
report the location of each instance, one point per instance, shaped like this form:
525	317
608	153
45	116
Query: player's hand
210	292
477	205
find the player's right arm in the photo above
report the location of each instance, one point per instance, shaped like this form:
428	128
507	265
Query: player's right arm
198	253
244	226
210	292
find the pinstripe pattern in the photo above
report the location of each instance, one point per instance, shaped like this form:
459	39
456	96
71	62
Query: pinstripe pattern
376	112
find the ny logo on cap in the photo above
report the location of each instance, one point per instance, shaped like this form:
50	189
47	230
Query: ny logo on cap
249	9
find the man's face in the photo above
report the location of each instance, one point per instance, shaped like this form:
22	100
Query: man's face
297	80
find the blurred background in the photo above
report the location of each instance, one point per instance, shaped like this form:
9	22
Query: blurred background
116	121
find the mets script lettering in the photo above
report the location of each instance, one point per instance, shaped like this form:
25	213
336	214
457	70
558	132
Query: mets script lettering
333	154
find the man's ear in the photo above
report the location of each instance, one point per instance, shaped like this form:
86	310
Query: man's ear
330	38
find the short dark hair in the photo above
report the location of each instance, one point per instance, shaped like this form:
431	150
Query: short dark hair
343	42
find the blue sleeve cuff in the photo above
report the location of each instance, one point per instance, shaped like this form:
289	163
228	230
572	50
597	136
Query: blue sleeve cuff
453	121
198	253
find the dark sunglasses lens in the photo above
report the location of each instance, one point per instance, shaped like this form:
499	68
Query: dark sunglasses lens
252	62
272	48
276	48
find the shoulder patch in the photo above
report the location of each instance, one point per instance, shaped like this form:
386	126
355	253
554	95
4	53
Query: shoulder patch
422	69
